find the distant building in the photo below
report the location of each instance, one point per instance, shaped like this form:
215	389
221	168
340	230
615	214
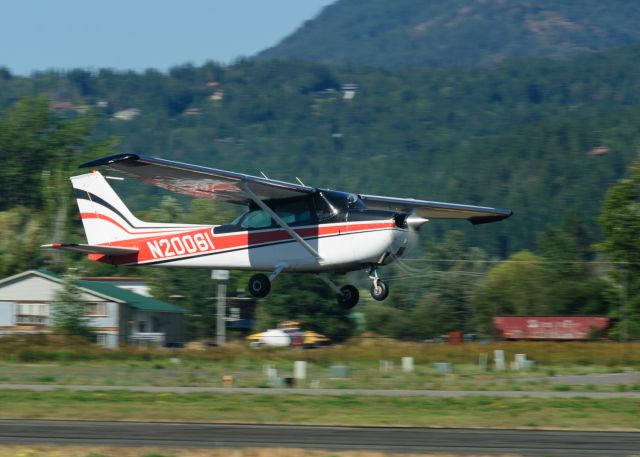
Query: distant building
117	315
217	96
132	284
349	91
192	112
127	114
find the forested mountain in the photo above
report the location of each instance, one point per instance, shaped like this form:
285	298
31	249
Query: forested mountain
545	139
445	33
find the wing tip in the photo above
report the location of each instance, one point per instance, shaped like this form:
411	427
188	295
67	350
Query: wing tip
109	160
504	214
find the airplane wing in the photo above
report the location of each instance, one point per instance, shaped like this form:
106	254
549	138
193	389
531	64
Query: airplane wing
198	181
91	248
437	210
216	184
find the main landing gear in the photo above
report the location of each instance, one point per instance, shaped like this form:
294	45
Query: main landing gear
348	297
260	284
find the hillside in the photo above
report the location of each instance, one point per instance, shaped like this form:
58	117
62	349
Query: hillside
445	33
545	139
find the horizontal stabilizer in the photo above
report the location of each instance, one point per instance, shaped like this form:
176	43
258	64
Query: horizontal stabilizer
91	248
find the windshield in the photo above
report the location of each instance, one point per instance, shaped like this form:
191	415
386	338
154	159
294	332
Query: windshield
344	200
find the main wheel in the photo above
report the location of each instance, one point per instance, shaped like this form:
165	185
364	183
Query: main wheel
259	285
381	292
349	297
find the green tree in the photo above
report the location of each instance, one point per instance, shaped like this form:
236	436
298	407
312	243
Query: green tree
620	221
69	313
21	234
573	287
39	150
516	286
385	320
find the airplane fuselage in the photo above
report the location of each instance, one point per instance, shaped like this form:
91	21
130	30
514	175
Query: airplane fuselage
346	245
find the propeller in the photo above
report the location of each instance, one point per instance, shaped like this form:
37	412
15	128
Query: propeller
414	223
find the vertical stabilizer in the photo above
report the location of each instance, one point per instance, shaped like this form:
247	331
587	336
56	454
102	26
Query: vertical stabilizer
105	217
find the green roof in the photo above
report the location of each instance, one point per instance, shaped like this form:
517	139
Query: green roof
133	299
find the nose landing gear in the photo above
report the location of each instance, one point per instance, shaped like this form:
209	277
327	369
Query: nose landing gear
379	288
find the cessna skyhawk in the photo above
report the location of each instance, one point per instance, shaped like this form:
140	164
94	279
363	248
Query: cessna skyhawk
286	227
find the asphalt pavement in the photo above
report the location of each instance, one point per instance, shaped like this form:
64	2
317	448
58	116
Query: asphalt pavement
383	439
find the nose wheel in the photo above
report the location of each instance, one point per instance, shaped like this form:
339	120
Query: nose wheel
379	288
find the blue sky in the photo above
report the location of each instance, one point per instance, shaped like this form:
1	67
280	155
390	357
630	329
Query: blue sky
140	34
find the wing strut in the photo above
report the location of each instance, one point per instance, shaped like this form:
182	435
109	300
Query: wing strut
280	222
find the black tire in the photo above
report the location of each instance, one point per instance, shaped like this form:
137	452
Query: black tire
381	292
349	297
259	285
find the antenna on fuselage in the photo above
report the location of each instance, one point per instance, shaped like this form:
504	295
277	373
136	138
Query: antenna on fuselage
263	175
300	181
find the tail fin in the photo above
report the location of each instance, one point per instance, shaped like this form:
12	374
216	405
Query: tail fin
104	215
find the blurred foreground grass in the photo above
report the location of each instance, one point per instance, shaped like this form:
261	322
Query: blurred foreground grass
104	451
470	411
366	348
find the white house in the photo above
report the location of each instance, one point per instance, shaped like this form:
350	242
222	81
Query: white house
118	316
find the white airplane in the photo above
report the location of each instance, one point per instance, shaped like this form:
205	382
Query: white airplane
287	227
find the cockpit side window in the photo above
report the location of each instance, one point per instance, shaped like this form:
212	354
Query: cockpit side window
292	212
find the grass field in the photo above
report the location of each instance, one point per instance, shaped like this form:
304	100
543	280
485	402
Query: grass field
372	349
573	413
250	373
102	451
53	361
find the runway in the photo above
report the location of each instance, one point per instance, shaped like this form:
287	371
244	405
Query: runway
383	439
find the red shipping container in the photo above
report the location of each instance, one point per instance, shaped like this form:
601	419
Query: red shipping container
454	337
548	327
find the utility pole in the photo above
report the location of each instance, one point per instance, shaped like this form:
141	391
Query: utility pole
624	285
221	276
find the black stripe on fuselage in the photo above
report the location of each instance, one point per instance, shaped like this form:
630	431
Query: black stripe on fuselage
274	243
84	195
